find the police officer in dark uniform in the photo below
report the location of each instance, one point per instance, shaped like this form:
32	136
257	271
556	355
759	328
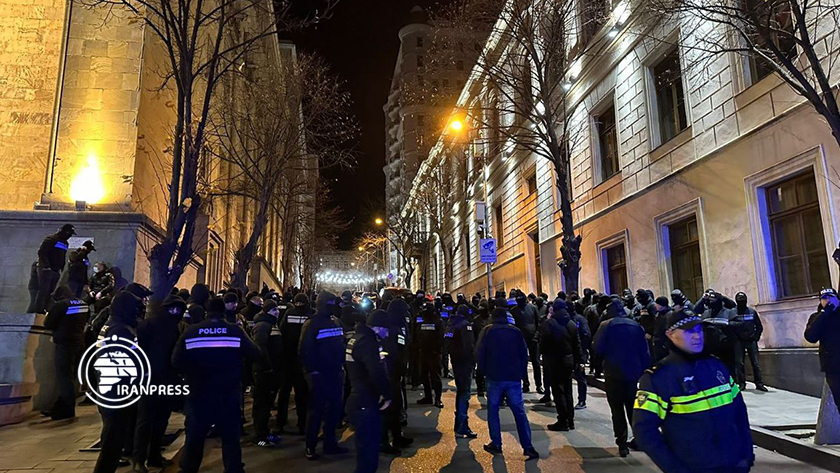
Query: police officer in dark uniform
481	320
66	318
720	327
350	316
293	378
199	295
400	340
525	316
689	415
371	394
51	258
824	328
267	371
460	343
446	310
417	307
563	357
77	268
322	355
430	339
157	336
680	302
125	315
210	355
749	330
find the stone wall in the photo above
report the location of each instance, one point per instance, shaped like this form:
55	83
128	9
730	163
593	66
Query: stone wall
31	34
115	236
99	103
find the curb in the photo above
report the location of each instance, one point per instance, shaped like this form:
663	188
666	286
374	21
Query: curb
768	439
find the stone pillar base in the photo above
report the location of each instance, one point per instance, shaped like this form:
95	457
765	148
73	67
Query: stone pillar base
27	372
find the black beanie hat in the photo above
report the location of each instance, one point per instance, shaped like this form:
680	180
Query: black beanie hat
230	297
216	305
301	300
662	301
269	306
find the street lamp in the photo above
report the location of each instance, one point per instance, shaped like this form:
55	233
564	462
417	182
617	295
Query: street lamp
457	127
378	221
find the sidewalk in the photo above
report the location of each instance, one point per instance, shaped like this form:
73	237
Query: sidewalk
41	445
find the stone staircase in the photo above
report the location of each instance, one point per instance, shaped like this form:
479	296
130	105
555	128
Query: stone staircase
27	375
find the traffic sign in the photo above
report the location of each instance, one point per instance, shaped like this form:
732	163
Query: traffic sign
487	250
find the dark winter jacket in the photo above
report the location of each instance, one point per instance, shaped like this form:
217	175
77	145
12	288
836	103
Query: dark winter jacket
78	264
53	252
824	328
366	370
268	338
210	355
199	295
559	342
157	336
621	344
748	324
690	417
291	327
459	339
583	333
430	333
321	346
67	318
501	352
102	282
400	316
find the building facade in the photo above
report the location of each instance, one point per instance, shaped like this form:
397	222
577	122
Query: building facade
688	177
85	132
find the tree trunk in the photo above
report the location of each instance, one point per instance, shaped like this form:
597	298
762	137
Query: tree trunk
245	255
570	249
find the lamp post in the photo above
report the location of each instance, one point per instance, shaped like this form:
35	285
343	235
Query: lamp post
457	127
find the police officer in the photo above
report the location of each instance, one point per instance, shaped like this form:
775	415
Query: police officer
481	320
398	311
199	295
430	339
824	328
322	355
585	347
371	394
680	302
660	346
349	318
293	378
380	323
749	330
122	322
267	371
525	316
621	344
720	327
689	414
563	357
417	306
157	336
446	310
460	343
77	269
66	318
210	354
51	257
231	300
645	312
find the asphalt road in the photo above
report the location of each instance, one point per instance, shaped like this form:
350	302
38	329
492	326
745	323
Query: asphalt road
590	448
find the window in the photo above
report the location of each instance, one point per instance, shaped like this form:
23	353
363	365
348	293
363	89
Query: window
419	60
498	223
670	99
532	184
684	243
616	269
607	142
793	213
419	41
777	28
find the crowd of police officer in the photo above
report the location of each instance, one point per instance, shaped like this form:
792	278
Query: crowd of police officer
673	369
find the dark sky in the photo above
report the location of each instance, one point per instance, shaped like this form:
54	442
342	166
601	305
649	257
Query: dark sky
360	41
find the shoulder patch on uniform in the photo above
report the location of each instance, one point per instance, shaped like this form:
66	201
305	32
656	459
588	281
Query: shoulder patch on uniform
641	397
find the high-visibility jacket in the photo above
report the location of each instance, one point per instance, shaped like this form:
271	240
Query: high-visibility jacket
690	416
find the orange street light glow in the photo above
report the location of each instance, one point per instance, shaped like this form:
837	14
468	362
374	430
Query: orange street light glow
456	125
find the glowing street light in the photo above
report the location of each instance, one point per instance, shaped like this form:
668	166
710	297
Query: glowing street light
456	125
379	221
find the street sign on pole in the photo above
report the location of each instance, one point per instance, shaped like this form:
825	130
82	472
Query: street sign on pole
487	250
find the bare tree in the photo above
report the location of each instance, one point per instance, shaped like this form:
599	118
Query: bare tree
404	237
203	41
442	190
276	132
372	259
526	70
796	39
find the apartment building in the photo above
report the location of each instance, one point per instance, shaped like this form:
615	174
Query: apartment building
692	177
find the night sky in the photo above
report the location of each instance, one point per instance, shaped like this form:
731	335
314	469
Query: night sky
360	41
